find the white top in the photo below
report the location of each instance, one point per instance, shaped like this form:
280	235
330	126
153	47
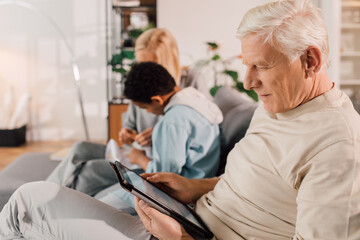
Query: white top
294	175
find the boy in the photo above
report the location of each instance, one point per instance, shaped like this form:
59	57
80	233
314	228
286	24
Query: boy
186	140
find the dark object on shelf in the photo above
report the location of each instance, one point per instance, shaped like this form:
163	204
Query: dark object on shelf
129	43
12	137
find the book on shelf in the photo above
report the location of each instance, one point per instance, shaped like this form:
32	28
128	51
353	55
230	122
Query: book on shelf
126	3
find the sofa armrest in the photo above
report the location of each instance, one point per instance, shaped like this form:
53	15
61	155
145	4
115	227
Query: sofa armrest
28	167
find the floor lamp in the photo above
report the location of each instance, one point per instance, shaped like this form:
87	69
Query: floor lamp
74	65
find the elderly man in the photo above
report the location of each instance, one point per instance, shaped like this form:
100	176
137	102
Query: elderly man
296	173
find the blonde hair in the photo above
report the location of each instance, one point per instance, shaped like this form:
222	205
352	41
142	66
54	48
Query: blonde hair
163	45
291	26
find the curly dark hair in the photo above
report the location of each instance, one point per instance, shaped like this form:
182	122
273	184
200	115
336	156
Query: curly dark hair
147	79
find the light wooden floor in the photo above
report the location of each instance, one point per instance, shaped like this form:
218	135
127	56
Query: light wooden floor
8	154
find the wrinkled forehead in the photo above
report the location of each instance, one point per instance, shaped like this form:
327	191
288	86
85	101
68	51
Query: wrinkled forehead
255	50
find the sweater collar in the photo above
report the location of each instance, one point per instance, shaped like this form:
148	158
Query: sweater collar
311	106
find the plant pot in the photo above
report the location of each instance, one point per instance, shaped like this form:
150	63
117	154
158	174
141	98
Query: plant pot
12	137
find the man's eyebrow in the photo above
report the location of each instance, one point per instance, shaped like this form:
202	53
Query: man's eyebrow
258	61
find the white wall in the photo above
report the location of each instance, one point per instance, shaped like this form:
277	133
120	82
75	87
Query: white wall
194	22
34	59
332	20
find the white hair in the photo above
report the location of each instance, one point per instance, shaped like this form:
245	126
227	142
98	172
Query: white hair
291	26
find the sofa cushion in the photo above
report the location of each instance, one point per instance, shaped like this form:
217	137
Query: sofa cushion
238	110
26	168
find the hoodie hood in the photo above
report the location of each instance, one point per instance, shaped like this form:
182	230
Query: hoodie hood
196	100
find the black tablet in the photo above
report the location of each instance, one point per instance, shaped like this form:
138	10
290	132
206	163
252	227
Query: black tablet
161	201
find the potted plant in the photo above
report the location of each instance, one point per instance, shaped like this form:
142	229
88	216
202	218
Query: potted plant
220	68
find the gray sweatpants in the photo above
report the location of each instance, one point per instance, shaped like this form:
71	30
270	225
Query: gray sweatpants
46	211
84	169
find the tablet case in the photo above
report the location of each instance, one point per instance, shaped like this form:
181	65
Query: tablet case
191	228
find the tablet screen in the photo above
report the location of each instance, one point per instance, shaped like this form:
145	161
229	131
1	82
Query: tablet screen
160	196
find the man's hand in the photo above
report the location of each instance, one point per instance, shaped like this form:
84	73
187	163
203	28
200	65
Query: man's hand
186	190
160	225
138	157
127	136
144	138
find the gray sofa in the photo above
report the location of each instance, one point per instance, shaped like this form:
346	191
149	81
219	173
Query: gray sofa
28	167
236	108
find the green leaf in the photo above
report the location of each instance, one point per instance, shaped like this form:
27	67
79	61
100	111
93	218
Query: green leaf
251	93
212	45
201	63
233	74
151	25
116	59
214	89
216	57
240	87
119	70
128	53
135	33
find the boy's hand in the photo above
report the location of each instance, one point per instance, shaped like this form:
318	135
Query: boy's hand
160	225
181	188
138	157
127	136
144	138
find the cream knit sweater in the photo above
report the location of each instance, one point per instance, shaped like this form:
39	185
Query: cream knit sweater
294	175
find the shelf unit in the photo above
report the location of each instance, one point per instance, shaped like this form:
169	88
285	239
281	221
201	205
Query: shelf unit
350	50
123	23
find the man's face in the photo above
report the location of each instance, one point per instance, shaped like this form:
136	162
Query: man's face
154	107
281	85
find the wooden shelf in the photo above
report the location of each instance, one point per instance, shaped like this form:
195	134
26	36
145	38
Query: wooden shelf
350	54
115	120
350	82
118	22
350	4
350	26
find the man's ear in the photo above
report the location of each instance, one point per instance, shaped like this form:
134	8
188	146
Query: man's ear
158	99
312	61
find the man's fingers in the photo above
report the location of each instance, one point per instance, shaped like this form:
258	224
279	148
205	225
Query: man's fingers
143	216
150	212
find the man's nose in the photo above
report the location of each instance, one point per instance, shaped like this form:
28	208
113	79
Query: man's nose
251	81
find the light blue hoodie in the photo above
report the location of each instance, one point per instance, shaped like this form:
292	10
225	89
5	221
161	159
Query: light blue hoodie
186	140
